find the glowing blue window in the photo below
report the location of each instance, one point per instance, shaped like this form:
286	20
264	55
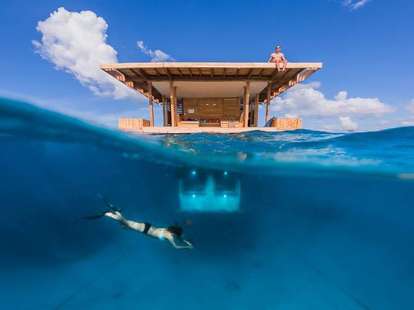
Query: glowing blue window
210	196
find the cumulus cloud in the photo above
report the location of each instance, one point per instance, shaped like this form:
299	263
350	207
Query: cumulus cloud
307	100
339	113
407	122
354	4
408	117
347	123
155	55
75	42
410	106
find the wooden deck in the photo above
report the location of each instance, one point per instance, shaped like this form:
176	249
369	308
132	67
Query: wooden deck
213	130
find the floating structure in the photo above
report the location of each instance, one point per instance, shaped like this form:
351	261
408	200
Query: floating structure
209	96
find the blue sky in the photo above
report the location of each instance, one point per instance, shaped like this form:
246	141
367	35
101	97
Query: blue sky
366	47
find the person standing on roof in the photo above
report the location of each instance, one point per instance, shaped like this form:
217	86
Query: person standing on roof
279	59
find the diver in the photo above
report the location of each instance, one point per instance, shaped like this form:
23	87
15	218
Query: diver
172	234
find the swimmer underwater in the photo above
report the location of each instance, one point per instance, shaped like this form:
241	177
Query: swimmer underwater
173	234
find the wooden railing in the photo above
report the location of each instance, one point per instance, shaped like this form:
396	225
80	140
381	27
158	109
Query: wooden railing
132	124
285	123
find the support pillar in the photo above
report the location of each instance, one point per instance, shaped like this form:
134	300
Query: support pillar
150	104
256	110
269	89
246	104
164	112
173	102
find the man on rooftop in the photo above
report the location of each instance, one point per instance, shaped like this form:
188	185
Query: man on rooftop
279	59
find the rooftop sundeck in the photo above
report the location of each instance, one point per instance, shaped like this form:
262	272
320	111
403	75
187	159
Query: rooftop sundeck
207	96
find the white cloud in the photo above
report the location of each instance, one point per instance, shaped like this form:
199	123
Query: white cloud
156	56
319	112
410	106
408	118
347	123
354	4
307	100
407	122
76	43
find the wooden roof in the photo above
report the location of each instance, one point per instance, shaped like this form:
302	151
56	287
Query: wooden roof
140	76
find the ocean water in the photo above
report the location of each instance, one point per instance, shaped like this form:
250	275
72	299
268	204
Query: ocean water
294	220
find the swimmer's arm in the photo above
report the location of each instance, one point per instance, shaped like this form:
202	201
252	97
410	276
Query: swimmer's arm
175	245
189	244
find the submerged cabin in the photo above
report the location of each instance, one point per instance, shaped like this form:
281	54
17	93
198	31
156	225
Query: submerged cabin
208	191
207	96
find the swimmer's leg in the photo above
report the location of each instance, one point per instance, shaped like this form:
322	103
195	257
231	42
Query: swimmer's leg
116	215
94	217
110	209
109	205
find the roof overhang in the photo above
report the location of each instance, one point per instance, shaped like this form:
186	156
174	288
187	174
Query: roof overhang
209	79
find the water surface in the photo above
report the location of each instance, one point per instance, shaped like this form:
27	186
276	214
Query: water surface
323	221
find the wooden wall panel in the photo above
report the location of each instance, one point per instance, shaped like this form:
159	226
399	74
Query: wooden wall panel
211	108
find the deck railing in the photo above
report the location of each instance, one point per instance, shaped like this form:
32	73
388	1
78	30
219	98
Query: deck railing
133	124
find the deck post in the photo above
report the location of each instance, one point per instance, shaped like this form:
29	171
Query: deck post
246	104
256	110
150	104
164	112
173	102
269	89
175	107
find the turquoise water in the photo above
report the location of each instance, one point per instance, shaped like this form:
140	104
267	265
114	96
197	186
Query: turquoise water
295	220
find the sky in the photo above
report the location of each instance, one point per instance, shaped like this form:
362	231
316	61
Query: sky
51	52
